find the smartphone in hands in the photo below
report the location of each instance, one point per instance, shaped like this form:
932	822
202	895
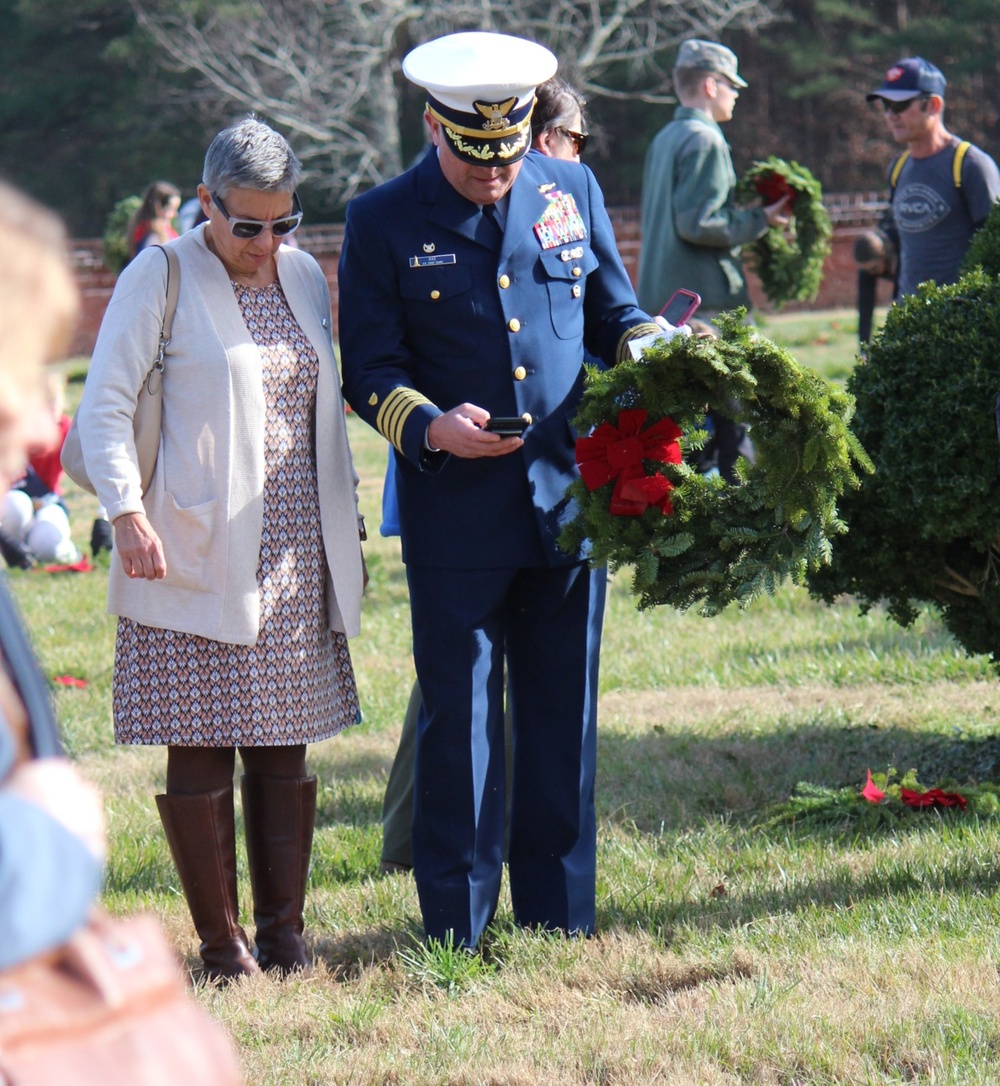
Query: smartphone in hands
680	307
508	427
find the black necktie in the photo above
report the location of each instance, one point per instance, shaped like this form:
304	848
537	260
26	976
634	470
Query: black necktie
492	232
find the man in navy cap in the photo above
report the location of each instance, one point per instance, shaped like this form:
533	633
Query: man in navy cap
941	188
468	287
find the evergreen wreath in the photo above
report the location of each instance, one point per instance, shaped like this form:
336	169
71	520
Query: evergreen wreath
696	541
789	264
886	800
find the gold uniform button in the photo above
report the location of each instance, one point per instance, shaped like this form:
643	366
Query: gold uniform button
578	272
514	324
435	294
504	282
520	373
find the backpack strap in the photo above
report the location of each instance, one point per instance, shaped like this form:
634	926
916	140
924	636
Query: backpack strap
897	169
956	163
961	150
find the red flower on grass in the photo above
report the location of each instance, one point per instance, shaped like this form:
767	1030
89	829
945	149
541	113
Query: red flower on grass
871	791
69	680
618	453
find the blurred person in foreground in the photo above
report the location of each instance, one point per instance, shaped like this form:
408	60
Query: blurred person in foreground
238	575
558	130
941	187
469	286
51	820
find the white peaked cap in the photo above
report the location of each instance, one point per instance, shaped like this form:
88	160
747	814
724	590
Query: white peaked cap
460	69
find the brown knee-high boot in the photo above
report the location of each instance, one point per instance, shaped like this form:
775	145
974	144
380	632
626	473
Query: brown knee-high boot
201	833
279	815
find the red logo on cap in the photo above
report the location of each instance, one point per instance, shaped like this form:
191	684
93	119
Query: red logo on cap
894	73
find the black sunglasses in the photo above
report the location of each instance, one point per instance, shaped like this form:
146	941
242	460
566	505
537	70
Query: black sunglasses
578	138
902	107
250	228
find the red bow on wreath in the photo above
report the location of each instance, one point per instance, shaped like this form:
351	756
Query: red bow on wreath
772	186
618	453
933	797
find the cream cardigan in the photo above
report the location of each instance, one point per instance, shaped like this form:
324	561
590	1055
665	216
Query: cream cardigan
205	500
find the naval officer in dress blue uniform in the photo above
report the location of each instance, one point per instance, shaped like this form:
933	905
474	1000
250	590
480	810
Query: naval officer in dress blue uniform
470	287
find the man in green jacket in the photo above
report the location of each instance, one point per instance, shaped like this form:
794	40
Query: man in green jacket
692	230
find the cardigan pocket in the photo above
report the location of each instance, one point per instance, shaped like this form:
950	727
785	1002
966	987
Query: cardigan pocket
189	539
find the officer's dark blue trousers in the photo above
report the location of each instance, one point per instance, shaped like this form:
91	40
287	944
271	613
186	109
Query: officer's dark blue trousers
548	624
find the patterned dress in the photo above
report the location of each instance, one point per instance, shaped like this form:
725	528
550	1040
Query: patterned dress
296	683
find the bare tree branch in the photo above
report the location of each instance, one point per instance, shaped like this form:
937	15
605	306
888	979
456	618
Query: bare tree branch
327	71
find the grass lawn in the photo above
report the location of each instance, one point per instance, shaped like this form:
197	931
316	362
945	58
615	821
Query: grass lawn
728	951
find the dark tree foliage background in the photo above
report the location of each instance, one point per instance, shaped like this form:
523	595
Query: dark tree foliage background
88	108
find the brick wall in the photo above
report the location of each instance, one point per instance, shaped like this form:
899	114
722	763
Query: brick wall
851	213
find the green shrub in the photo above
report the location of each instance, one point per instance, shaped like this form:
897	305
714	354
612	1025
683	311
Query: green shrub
926	525
116	233
984	252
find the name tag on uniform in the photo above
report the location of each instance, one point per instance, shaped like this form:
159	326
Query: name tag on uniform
432	261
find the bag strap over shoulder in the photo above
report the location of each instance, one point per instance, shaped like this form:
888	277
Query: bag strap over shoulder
155	376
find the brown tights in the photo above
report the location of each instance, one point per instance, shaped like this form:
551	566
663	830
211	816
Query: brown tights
192	770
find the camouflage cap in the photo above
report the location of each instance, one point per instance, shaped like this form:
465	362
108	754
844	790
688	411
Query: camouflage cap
709	56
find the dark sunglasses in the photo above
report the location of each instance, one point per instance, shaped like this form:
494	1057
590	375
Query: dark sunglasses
578	138
250	228
902	107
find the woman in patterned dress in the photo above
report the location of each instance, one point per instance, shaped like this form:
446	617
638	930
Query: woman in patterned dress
239	572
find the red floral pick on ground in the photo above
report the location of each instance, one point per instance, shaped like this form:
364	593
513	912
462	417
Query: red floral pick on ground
933	797
69	680
871	791
772	186
618	452
81	566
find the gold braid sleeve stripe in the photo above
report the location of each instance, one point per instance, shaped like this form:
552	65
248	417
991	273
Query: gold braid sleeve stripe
395	410
645	329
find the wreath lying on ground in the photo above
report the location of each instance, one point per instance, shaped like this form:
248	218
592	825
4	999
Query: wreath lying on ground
789	261
886	799
695	540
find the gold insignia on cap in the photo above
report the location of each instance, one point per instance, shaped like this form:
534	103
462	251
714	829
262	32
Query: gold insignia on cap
495	113
372	400
483	153
508	150
429	246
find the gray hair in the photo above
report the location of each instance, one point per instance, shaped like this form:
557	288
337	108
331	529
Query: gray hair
250	155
